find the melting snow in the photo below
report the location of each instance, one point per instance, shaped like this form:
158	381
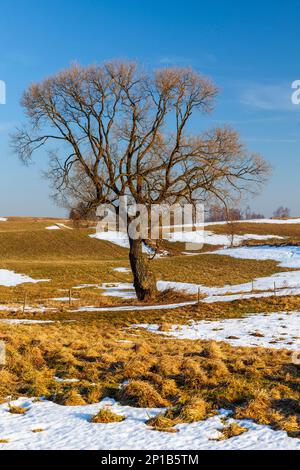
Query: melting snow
10	278
122	270
53	227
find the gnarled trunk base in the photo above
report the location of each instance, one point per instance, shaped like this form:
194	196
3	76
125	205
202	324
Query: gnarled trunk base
143	279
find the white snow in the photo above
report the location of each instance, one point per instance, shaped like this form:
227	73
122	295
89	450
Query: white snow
10	278
66	427
288	256
58	379
23	321
53	227
3	219
199	237
63	299
276	330
281	284
118	289
118	238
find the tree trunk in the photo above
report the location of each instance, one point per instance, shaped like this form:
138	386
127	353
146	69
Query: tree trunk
143	279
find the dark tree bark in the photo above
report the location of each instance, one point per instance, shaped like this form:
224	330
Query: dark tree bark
143	278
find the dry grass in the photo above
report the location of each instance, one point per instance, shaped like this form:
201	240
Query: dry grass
105	415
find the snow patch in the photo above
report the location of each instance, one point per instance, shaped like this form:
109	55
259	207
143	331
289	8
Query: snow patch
69	427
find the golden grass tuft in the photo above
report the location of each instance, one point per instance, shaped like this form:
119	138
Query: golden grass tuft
69	398
161	423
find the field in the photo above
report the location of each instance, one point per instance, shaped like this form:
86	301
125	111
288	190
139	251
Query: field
88	366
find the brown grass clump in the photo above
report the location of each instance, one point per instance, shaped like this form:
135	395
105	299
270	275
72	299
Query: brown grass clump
193	374
161	423
38	430
4	441
142	394
213	351
105	415
232	430
16	410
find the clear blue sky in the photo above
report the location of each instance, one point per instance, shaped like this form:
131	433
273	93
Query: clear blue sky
250	49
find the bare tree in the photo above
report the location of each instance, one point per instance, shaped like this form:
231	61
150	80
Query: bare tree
282	213
126	132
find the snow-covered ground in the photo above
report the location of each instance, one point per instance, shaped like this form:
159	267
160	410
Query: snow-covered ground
122	270
275	330
66	427
53	227
10	278
133	308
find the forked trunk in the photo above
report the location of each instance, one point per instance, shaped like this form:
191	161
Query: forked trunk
143	279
